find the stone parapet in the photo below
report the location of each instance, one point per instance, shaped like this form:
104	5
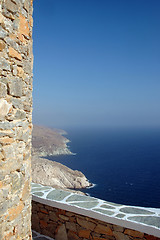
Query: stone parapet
64	225
16	60
67	216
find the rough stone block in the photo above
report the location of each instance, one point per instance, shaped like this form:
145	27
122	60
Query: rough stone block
2	45
63	217
6	125
35	222
26	5
14	70
3	90
14	211
70	214
4	65
118	228
27	67
13	53
6	140
7	133
23	26
27	106
101	238
12	43
3	33
85	233
43	210
17	103
61	233
15	87
53	216
16	181
31	21
1	18
11	6
86	224
16	24
134	233
26	190
20	114
149	237
102	229
8	152
121	236
8	14
71	226
7	25
1	184
43	224
4	108
3	207
20	72
43	216
72	235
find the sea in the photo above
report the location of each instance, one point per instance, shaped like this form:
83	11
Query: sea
122	164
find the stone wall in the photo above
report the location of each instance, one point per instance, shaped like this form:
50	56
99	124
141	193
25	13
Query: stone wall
15	118
64	225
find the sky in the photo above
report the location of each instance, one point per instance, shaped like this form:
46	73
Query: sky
96	63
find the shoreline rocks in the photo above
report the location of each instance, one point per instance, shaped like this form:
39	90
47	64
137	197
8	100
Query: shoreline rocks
57	175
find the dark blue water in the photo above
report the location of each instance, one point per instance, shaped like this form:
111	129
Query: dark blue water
124	164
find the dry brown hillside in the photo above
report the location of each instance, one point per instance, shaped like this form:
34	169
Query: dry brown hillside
46	141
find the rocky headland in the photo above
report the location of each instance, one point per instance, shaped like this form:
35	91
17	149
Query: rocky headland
45	142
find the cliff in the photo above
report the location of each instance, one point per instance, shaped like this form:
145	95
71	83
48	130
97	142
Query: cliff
45	142
55	174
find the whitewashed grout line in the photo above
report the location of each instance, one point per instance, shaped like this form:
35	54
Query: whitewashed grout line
64	200
40	235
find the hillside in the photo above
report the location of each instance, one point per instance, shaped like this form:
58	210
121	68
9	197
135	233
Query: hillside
45	142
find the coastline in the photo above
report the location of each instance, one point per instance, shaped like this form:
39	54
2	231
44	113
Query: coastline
48	142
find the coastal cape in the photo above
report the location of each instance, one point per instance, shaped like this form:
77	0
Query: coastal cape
45	142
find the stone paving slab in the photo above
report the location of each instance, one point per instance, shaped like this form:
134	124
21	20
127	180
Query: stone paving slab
38	236
138	215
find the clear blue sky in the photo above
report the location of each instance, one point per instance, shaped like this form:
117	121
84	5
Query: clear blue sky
97	63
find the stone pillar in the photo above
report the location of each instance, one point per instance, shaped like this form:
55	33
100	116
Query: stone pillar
15	118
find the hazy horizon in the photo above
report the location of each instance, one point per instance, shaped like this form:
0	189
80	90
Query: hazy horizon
96	63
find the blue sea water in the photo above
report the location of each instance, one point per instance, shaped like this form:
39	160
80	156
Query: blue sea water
123	163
